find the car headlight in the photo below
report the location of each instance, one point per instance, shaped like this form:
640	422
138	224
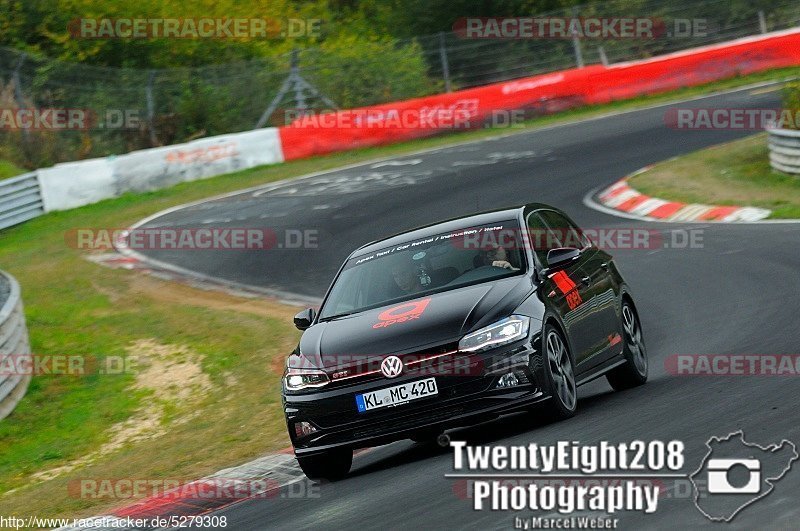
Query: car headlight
299	379
502	332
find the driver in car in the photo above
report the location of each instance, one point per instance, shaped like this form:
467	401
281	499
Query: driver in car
496	256
406	278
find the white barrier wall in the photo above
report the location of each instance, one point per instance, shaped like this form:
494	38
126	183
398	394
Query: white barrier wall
74	184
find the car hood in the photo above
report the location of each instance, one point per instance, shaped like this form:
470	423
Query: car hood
413	325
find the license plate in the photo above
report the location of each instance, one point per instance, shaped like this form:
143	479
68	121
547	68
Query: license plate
394	396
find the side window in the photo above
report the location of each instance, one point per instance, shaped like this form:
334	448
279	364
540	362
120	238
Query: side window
350	292
541	238
567	233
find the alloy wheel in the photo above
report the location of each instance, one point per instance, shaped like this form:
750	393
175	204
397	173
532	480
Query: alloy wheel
561	370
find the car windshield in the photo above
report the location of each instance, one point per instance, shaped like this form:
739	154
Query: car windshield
418	267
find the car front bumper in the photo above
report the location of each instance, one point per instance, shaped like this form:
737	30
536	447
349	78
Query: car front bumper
466	396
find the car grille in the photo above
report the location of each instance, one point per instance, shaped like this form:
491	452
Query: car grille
379	428
414	362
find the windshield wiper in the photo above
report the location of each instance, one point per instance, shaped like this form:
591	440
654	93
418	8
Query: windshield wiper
332	317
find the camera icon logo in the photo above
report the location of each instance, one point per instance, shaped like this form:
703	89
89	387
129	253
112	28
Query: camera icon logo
719	482
735	474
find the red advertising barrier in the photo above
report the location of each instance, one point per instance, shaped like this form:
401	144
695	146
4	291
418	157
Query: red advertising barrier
694	67
547	93
403	120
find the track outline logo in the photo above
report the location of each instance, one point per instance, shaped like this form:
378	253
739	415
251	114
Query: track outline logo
721	486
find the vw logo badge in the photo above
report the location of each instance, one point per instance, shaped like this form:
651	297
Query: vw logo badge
392	366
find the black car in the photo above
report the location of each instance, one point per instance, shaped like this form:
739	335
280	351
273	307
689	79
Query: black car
453	324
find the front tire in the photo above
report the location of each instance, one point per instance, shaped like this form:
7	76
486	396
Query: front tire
634	371
560	373
331	465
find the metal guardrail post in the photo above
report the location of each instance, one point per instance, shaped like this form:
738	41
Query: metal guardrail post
151	108
15	349
445	64
19	97
576	42
297	84
603	57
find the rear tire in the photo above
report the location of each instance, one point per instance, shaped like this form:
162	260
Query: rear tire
331	465
560	373
634	371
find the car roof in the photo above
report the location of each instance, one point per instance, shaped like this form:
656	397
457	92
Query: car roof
451	225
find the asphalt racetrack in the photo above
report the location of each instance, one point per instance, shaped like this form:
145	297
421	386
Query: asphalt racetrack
737	293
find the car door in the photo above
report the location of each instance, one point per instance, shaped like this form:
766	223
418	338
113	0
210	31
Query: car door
603	292
565	290
597	286
596	266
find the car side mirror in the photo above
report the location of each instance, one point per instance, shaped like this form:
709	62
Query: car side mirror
559	258
304	319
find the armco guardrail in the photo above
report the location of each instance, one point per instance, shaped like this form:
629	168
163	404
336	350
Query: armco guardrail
74	184
784	150
14	346
20	199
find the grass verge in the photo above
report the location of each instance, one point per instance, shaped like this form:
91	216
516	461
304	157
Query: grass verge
9	169
736	173
205	392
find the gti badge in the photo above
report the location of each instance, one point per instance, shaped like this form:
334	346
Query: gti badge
392	366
